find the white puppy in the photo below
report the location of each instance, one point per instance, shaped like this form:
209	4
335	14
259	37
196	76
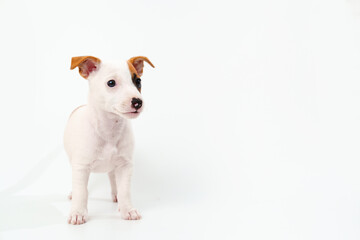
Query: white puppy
98	136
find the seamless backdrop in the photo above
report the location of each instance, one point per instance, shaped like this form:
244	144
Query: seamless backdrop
251	128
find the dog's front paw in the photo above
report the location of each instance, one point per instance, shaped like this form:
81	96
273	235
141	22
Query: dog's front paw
77	217
130	214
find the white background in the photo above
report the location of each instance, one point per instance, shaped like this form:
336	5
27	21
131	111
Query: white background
251	128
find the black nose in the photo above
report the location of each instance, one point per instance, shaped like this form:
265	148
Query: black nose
136	103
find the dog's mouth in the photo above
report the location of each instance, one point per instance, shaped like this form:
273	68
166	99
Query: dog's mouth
131	114
135	112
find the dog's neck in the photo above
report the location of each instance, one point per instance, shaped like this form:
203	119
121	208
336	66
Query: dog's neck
106	124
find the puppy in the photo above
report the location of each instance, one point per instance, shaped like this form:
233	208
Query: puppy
98	136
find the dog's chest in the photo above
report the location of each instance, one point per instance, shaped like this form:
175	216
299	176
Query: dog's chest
111	145
107	157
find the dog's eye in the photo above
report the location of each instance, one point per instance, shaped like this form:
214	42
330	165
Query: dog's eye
138	83
111	83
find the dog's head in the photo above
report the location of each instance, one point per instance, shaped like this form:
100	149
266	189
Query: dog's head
113	88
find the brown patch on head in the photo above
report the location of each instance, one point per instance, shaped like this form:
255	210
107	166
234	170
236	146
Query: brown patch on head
136	81
134	76
86	64
136	66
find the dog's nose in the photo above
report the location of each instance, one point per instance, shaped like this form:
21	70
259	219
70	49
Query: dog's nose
136	103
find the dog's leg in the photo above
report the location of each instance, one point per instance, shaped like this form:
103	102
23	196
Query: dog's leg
113	186
80	178
123	179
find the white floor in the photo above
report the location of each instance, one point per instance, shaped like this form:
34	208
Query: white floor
172	206
251	128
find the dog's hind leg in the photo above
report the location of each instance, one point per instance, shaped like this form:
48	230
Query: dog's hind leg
113	186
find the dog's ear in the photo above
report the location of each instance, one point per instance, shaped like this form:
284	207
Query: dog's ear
86	64
136	64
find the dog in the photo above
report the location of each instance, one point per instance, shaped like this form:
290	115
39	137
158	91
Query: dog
98	136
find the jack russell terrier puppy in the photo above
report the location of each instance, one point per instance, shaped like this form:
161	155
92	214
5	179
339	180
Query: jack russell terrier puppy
98	136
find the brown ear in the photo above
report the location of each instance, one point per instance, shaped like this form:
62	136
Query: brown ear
86	64
136	65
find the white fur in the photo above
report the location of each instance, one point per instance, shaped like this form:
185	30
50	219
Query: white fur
98	138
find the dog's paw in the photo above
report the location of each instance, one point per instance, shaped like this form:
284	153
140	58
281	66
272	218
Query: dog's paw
130	214
114	197
77	217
